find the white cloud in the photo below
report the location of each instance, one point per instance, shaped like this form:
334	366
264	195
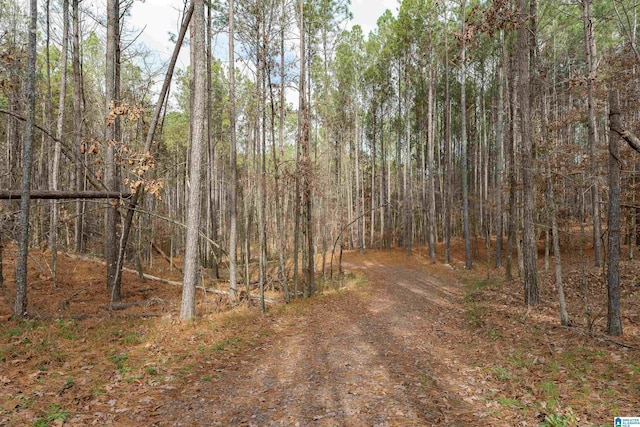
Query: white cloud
157	19
367	12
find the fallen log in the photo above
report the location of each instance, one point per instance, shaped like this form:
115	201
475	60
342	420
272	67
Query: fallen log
124	305
60	195
120	316
167	281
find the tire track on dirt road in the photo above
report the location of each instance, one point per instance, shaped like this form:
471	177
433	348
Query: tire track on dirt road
383	354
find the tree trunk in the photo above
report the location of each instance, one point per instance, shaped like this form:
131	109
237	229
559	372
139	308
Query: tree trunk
212	208
303	129
111	101
500	159
529	250
55	172
614	317
430	164
407	190
564	315
463	139
279	220
262	148
448	190
20	307
78	128
512	172
357	176
233	203
198	123
590	55
373	176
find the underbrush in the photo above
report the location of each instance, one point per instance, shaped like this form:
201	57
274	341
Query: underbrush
544	374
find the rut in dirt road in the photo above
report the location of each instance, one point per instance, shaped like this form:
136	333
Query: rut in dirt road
374	356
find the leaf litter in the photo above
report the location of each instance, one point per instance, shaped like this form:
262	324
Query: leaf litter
416	343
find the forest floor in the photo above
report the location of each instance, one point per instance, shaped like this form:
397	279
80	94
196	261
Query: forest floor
407	342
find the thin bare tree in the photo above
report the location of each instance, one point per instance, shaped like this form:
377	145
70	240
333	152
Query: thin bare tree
233	190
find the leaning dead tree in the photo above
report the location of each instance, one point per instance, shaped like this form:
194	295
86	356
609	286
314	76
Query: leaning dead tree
133	201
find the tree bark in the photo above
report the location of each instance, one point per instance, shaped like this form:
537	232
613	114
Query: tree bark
279	219
77	128
448	190
111	102
590	56
55	173
262	213
564	315
463	139
20	307
500	156
430	164
305	163
233	191
212	208
530	252
198	124
357	175
614	317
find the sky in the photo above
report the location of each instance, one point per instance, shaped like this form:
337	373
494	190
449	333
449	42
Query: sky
367	12
158	18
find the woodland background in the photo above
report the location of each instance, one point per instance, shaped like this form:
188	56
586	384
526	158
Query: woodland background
500	123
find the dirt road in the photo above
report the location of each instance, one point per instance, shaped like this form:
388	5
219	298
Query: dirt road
382	354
